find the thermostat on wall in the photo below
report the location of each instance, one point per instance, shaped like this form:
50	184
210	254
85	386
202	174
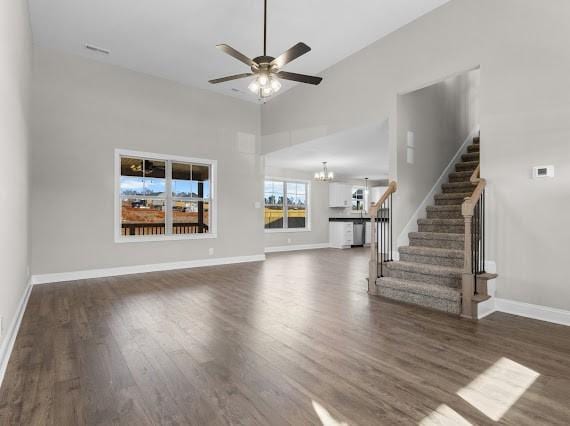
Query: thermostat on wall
542	171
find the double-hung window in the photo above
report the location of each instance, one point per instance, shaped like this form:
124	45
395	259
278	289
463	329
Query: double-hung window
286	205
163	197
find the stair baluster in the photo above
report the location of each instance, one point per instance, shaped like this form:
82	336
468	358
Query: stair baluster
473	211
381	241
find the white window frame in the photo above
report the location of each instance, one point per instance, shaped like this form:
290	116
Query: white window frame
285	229
213	206
363	210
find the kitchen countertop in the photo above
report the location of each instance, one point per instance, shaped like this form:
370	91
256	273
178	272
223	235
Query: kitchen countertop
353	219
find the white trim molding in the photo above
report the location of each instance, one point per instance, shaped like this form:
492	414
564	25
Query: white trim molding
140	269
12	331
297	247
537	312
429	199
168	198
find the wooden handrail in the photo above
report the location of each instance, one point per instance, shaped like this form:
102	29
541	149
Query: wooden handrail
391	189
373	212
470	202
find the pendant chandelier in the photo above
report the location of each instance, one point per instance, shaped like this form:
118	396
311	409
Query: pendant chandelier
324	175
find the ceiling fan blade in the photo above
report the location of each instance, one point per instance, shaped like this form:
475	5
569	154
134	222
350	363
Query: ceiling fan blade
230	77
238	55
302	78
290	55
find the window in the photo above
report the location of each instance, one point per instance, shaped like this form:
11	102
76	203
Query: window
357	199
286	205
161	197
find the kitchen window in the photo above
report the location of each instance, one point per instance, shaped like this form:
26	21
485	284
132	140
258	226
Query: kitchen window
161	197
357	199
286	205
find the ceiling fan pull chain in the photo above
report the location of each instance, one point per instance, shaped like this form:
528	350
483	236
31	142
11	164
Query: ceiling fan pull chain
265	28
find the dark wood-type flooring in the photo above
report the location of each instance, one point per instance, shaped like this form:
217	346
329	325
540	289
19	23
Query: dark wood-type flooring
293	340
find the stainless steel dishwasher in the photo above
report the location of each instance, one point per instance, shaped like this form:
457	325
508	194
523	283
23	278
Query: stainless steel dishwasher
358	233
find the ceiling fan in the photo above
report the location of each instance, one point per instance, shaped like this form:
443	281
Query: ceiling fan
267	69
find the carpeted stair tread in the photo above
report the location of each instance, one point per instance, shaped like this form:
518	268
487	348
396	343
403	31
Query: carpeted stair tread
420	288
470	156
432	256
431	251
425	269
436	236
454	198
444	212
452	241
463	176
474	148
441	222
455	187
466	165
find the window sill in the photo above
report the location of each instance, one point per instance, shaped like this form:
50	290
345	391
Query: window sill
154	238
285	231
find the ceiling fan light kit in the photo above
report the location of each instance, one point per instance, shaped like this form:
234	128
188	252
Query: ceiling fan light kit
267	69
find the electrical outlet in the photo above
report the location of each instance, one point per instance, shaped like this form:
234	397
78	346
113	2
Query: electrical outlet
211	251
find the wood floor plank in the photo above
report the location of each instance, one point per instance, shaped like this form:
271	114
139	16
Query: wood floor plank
295	340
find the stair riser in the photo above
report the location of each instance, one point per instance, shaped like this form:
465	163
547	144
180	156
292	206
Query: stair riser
472	156
460	178
449	202
447	229
433	243
435	214
464	167
458	189
448	306
448	281
473	148
432	260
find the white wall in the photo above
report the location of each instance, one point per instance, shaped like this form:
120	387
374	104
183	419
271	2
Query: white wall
440	117
15	71
318	211
522	48
82	111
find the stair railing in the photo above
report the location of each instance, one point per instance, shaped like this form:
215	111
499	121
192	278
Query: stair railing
473	211
381	239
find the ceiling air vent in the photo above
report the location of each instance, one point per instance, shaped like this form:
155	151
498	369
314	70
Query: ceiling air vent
97	49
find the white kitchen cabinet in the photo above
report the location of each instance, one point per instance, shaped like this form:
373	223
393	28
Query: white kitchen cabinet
367	233
340	195
341	234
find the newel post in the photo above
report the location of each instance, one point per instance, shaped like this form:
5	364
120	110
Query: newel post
373	263
468	279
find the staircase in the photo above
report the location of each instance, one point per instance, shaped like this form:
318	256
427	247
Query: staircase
432	270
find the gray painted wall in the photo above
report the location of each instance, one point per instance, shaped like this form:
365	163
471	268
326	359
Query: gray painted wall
15	72
522	48
440	117
82	111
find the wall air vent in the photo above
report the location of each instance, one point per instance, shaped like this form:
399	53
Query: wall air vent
97	49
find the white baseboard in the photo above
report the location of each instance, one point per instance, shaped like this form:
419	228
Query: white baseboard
138	269
538	312
429	200
297	247
12	331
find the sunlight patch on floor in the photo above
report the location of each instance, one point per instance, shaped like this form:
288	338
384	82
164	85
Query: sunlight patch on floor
498	388
444	415
325	417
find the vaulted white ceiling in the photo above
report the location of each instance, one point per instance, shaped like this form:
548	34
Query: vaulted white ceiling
175	39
